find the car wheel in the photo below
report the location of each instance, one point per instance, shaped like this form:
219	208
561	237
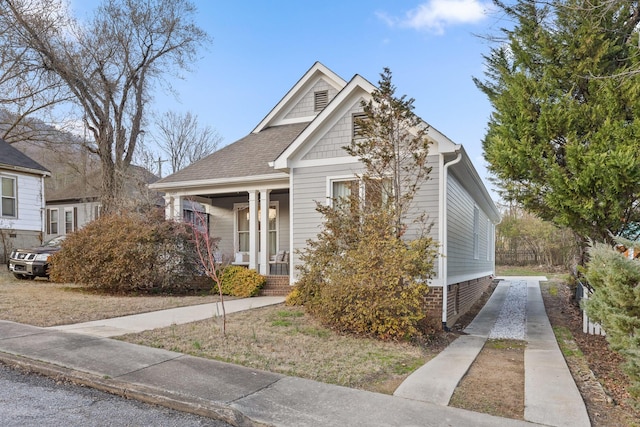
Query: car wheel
19	276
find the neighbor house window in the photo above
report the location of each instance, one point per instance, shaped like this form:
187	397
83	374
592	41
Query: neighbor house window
52	221
9	202
70	220
320	100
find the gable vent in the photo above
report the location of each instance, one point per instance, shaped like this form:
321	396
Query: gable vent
320	100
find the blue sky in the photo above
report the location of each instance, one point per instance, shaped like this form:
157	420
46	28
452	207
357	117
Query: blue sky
260	49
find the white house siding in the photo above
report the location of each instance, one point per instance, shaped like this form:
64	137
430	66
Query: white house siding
305	107
461	261
85	213
29	192
24	230
340	134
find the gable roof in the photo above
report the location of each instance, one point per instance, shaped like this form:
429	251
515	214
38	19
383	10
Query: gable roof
315	73
249	156
12	158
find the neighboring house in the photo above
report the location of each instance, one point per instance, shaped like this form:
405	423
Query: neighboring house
72	207
22	200
260	192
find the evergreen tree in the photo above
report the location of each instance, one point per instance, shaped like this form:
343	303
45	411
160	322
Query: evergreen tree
563	138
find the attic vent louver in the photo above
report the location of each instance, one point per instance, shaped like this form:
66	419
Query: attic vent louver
320	100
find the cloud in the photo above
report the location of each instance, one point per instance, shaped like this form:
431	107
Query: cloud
436	15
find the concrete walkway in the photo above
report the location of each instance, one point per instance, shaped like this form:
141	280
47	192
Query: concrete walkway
163	318
551	396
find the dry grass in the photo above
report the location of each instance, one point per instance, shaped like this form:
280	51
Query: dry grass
277	339
42	303
288	341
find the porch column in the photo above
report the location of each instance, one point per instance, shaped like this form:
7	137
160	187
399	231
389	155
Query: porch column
264	232
253	230
173	208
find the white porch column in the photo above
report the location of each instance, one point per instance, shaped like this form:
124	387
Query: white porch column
253	230
173	208
264	232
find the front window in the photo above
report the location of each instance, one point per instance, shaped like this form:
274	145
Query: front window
242	228
8	205
348	192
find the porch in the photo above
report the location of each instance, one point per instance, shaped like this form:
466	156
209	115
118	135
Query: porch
252	226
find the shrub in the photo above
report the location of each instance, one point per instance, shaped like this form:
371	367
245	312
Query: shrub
615	304
294	298
375	285
241	282
127	253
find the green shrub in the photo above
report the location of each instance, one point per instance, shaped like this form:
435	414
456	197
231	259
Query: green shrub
615	304
128	253
241	282
373	285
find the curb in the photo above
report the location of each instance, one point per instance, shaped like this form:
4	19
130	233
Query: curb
146	394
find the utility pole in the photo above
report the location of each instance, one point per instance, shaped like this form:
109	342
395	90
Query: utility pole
160	162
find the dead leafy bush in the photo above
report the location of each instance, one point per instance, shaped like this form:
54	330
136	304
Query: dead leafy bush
241	282
127	253
370	283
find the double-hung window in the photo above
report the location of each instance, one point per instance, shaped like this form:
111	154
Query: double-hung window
8	207
70	220
355	193
242	227
52	221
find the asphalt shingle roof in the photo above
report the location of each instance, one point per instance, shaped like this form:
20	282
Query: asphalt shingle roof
248	156
11	156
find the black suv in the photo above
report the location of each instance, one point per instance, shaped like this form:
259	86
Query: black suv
34	262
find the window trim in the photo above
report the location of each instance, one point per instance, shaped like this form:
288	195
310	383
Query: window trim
14	179
74	219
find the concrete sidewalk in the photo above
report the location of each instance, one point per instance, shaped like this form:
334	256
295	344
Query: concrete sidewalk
161	319
551	395
238	395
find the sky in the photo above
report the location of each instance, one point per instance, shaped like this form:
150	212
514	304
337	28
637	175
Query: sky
260	49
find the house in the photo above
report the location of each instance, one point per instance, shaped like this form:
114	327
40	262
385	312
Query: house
71	207
260	192
22	206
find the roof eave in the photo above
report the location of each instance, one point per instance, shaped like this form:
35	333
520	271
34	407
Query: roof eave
30	171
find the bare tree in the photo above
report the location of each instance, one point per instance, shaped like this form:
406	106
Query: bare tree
25	89
109	65
182	138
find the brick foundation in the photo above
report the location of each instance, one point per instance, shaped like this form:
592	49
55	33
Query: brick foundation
460	297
